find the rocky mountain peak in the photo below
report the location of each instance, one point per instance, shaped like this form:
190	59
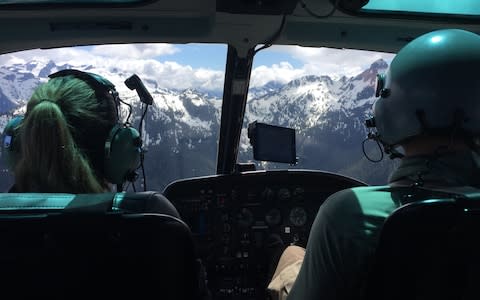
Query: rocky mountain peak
47	70
379	64
370	74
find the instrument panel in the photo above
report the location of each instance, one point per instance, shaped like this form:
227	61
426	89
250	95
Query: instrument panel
237	220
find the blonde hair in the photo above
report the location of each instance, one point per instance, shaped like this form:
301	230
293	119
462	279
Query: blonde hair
62	139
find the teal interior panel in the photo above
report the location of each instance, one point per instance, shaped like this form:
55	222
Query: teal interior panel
457	7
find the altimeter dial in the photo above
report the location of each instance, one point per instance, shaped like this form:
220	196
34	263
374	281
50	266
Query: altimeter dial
298	216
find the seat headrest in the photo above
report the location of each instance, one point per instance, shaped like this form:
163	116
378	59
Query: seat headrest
143	202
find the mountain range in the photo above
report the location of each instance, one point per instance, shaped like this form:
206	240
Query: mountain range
182	126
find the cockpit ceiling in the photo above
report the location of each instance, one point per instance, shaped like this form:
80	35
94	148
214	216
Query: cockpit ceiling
267	7
199	21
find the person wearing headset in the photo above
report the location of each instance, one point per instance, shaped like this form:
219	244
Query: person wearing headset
428	114
71	139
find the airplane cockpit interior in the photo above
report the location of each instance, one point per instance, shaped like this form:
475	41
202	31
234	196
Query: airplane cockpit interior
235	121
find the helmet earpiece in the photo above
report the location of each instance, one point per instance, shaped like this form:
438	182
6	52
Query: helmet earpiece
122	153
10	147
380	84
380	90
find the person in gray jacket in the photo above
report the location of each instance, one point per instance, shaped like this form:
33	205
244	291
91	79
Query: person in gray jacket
427	114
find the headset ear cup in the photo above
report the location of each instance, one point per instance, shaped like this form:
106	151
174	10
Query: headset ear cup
122	153
11	142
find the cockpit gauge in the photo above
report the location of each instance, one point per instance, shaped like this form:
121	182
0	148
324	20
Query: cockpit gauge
273	217
244	218
283	194
299	194
268	195
298	216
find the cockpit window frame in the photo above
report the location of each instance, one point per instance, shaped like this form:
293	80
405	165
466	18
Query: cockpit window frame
66	4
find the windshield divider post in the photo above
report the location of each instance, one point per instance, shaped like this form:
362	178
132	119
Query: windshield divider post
235	92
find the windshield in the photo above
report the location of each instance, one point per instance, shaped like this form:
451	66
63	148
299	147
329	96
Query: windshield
186	82
325	95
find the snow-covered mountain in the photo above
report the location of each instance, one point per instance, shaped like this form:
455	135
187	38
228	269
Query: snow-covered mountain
306	102
328	115
182	126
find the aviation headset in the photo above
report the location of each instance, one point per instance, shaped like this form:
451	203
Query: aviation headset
123	145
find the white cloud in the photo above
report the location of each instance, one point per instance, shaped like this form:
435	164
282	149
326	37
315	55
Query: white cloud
282	72
93	55
174	75
346	62
59	55
138	51
142	60
316	61
135	58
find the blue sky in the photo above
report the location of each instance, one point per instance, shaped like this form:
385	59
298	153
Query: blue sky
214	56
199	56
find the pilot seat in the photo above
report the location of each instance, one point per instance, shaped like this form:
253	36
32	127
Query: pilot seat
429	250
95	246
